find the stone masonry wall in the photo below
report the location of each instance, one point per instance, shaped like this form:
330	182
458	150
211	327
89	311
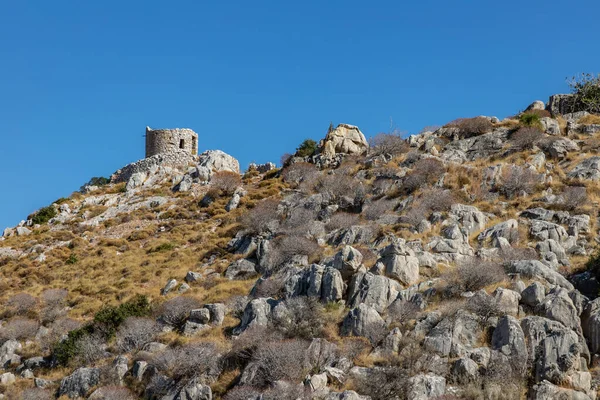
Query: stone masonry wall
174	160
163	141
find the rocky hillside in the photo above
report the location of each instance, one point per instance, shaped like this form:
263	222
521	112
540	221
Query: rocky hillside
459	263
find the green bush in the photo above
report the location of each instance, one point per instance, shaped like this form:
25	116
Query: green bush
530	119
586	88
72	259
306	148
162	247
44	215
98	181
65	350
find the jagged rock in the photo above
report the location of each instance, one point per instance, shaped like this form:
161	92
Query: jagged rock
191	328
79	382
348	261
171	283
139	367
587	169
363	321
22	231
426	386
42	383
454	335
256	313
200	315
536	105
470	217
553	349
559	148
347	236
217	313
217	160
324	283
391	343
154	347
193	276
335	375
482	146
550	126
317	382
558	306
400	263
7	353
345	139
552	247
505	229
465	370
194	391
481	356
543	230
509	339
241	269
27	374
535	269
346	395
590	322
7	378
533	294
376	291
547	391
507	300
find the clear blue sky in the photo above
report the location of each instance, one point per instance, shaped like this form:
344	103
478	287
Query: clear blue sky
80	80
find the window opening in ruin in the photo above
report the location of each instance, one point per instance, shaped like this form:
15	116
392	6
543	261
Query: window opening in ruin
182	144
194	145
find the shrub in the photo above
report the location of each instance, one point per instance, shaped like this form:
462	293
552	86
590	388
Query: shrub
387	143
110	318
54	304
574	197
284	360
432	200
485	307
43	215
300	172
162	247
425	172
471	275
72	259
525	138
342	189
36	394
286	248
402	311
260	218
306	148
378	208
98	181
468	127
89	348
303	318
19	329
225	182
586	89
516	180
134	332
385	383
194	361
176	310
21	303
342	220
530	119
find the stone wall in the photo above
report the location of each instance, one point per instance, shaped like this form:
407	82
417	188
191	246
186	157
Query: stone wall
175	159
163	141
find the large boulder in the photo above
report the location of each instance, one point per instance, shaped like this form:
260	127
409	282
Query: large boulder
587	169
547	391
590	322
469	217
194	391
543	230
348	261
363	321
560	148
400	262
509	339
79	383
455	335
257	313
558	306
344	139
505	229
324	283
212	161
426	386
376	291
536	270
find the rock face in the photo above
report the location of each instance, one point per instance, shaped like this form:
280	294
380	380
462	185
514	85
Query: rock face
590	322
587	169
79	382
509	339
212	161
454	335
363	321
376	291
344	139
426	386
400	262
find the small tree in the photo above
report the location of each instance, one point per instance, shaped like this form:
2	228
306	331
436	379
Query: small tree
388	143
586	90
525	138
306	148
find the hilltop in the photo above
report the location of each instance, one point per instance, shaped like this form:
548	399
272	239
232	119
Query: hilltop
457	263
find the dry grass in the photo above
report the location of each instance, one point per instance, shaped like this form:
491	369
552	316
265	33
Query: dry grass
590	119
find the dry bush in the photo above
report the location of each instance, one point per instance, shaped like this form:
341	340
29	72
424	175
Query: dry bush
402	311
284	360
339	186
21	303
113	393
175	311
525	138
225	182
300	172
19	329
54	301
471	275
134	332
194	361
590	119
516	180
342	220
58	329
516	253
298	221
574	197
384	384
260	218
303	318
378	208
425	172
36	394
286	248
469	127
432	200
285	158
485	307
387	143
271	287
89	349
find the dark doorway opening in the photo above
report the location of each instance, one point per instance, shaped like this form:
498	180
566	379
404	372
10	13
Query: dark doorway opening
182	144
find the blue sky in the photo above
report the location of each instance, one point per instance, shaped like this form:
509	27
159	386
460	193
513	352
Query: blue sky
80	80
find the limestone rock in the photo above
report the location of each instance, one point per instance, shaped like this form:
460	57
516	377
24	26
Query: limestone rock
533	294
256	313
550	126
217	160
345	139
376	291
426	386
509	339
547	391
505	229
587	169
465	370
79	382
400	263
535	269
558	306
454	335
363	321
348	261
241	269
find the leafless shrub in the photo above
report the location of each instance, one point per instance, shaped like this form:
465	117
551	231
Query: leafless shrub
237	305
402	311
284	360
342	220
516	253
54	304
303	318
89	349
469	127
485	307
194	361
21	303
113	393
298	221
525	138
300	172
58	329
271	287
355	346
387	143
261	217
378	208
425	172
286	248
19	329
431	200
384	383
243	348
574	197
516	180
175	311
135	332
340	187
471	275
225	182
36	394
